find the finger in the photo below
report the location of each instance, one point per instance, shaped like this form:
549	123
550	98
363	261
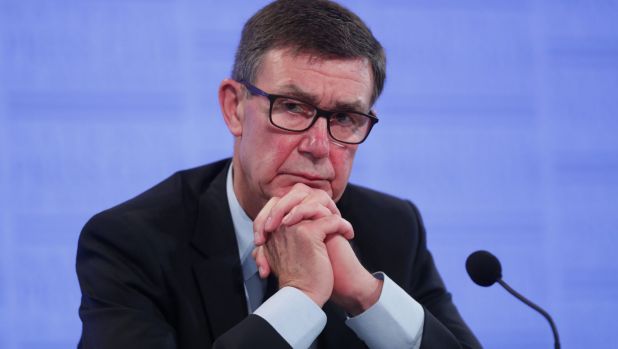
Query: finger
322	197
305	211
300	193
325	226
325	199
259	233
294	197
261	262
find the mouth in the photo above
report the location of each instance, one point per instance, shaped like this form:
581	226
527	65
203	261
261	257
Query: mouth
314	181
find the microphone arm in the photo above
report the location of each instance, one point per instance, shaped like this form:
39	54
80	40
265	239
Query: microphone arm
535	307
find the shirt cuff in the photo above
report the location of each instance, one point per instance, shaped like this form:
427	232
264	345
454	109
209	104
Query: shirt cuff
294	316
395	321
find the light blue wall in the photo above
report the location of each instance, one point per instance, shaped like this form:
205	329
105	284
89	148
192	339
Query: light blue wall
498	119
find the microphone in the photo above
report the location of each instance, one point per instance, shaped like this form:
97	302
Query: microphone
485	270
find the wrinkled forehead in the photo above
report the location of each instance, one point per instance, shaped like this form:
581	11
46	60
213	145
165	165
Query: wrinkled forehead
309	77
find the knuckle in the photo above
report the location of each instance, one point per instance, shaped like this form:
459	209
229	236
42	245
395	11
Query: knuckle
273	201
333	219
302	229
323	195
294	210
318	195
314	206
301	187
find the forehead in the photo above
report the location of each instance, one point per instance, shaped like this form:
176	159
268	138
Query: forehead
329	81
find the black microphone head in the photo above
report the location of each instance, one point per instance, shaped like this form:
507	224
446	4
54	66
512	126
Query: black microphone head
484	268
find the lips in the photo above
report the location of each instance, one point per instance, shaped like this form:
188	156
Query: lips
312	180
307	176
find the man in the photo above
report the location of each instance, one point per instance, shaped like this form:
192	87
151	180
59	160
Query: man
347	267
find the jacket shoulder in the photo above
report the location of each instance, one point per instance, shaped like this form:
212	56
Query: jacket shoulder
165	213
182	186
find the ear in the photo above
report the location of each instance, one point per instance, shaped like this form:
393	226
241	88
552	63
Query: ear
230	98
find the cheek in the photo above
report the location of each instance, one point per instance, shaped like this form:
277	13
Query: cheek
276	148
342	160
343	157
266	150
275	152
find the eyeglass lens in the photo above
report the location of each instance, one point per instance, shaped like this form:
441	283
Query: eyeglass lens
295	115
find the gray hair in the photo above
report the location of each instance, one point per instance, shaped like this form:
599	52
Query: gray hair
319	27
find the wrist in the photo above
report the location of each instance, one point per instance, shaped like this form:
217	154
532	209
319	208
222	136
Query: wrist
319	298
363	298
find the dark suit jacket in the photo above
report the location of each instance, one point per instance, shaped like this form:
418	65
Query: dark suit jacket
162	270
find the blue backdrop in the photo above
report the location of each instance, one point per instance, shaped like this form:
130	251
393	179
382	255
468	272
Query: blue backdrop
498	119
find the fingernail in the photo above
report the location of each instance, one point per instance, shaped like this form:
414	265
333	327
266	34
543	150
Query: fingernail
268	220
285	219
260	271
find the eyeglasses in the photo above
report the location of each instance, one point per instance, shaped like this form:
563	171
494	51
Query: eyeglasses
291	114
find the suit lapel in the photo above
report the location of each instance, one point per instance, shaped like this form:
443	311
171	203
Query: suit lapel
217	264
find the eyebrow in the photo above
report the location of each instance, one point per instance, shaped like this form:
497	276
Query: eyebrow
294	91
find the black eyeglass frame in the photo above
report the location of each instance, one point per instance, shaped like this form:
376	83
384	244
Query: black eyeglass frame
319	112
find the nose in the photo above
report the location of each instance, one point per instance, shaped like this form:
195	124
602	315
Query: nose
316	141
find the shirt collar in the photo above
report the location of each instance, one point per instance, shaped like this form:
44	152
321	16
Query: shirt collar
243	227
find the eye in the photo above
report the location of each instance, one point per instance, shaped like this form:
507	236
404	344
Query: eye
292	106
344	119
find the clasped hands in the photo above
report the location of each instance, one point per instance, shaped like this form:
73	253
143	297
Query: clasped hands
302	238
